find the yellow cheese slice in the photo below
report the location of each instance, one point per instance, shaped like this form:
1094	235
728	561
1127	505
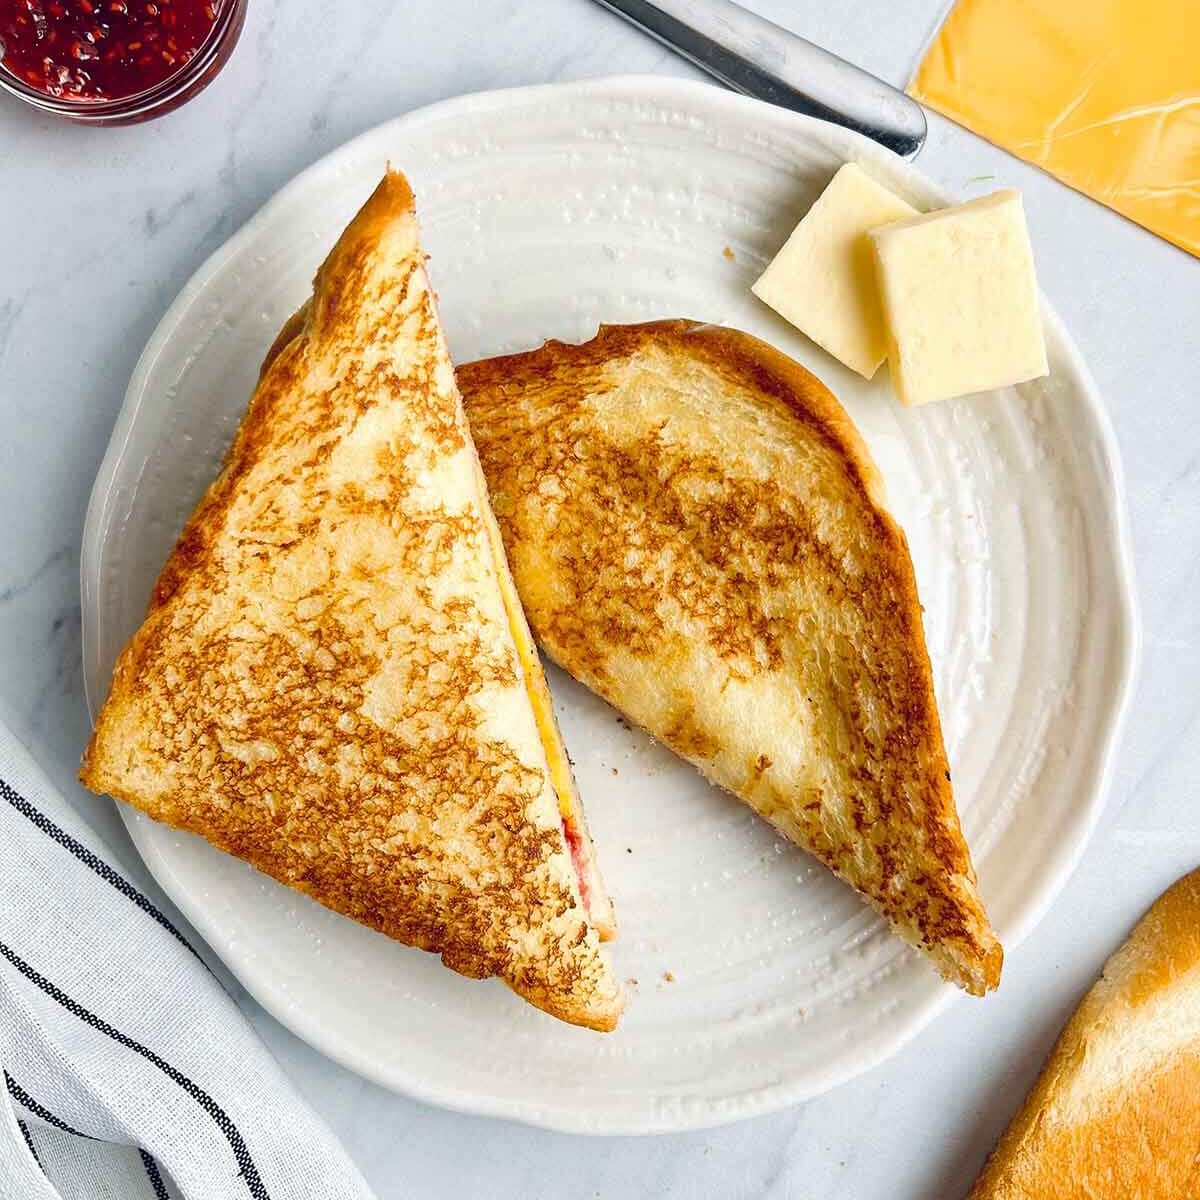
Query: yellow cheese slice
1103	94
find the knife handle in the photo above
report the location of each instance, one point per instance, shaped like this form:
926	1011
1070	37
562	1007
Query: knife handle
759	58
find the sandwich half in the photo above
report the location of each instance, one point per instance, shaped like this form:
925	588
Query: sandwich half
335	681
699	535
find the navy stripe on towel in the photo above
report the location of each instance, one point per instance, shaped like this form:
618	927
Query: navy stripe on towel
220	1118
29	1141
85	856
29	1104
155	1177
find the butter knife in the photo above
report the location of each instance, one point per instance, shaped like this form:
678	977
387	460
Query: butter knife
754	56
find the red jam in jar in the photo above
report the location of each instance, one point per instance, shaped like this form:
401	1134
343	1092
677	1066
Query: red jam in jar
101	50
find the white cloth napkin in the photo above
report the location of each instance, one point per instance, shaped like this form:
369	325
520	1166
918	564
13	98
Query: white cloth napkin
128	1072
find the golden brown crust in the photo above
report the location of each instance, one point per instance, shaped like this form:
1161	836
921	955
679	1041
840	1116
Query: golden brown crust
326	683
697	533
1116	1112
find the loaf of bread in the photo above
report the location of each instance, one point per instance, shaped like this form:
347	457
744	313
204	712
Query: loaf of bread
1116	1112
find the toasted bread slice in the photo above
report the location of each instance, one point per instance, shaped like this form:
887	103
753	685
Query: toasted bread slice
334	680
1116	1112
698	534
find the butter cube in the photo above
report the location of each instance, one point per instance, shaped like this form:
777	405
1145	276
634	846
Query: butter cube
960	300
823	280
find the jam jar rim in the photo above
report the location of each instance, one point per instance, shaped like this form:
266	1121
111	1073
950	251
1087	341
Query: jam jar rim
144	104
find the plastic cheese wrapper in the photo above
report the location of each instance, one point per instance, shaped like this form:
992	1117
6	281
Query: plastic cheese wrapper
1105	96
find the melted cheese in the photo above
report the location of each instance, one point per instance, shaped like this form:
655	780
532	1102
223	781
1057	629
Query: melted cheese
562	779
1104	96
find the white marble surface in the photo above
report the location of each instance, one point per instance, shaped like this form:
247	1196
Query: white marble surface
99	230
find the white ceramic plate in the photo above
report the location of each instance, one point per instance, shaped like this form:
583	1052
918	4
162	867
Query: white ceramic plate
760	979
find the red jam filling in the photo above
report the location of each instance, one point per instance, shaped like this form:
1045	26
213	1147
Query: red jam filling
101	49
579	861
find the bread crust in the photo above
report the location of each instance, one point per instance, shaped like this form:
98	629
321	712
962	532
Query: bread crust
1115	1114
326	683
684	504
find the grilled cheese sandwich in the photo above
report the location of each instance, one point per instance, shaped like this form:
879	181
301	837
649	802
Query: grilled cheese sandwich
698	534
334	681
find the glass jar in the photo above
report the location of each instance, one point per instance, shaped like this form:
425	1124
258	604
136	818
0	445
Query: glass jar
63	83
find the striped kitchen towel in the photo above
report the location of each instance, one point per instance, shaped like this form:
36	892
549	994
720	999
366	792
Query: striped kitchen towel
127	1070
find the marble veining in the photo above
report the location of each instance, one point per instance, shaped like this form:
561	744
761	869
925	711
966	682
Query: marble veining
21	586
84	283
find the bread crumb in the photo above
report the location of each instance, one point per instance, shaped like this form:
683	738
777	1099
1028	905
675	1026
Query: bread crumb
632	982
668	976
729	254
615	771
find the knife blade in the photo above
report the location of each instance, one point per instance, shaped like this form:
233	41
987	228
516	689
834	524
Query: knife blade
755	56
